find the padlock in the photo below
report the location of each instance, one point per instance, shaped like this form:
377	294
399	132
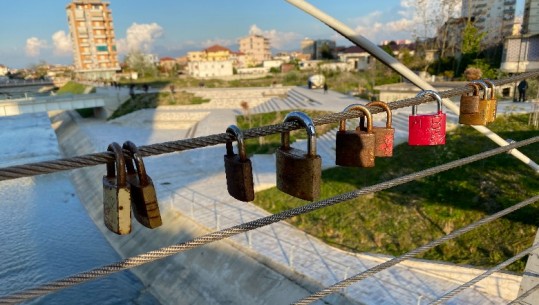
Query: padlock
427	129
143	195
469	104
299	172
480	117
384	135
116	194
238	168
355	147
492	102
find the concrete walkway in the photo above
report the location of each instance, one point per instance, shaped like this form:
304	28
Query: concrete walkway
193	183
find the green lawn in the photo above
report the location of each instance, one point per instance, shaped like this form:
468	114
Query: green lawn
152	100
403	218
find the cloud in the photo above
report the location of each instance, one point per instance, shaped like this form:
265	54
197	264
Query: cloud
34	46
140	37
62	43
278	40
219	41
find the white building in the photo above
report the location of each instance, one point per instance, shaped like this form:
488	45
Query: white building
356	58
3	70
210	69
530	23
495	18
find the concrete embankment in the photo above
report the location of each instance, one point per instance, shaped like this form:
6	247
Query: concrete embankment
220	273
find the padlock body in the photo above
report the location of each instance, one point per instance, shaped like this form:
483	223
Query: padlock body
144	202
298	174
469	104
479	118
355	148
116	206
384	138
239	178
492	110
425	130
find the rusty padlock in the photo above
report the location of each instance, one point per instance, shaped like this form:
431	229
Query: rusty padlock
143	195
299	172
480	117
238	168
116	194
492	102
384	135
469	104
427	129
355	147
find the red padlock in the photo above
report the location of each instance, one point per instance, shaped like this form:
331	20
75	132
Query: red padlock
427	129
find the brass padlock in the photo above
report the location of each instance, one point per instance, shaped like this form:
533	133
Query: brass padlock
238	168
143	195
384	135
469	104
480	117
116	194
492	102
355	147
299	173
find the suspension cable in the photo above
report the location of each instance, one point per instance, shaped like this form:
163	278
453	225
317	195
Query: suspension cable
370	272
248	226
486	274
46	167
524	295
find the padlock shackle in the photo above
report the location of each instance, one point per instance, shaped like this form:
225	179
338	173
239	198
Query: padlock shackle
491	86
236	132
431	93
366	112
483	86
304	120
384	106
117	168
139	163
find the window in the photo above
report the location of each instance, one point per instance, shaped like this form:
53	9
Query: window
102	48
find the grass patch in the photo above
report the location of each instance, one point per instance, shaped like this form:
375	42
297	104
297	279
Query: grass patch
403	218
152	100
268	144
72	88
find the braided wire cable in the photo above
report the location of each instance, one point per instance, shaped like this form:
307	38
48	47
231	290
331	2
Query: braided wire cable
46	167
378	268
484	275
248	226
524	295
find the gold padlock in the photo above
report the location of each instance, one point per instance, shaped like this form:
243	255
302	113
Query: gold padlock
299	173
143	195
116	194
355	147
492	102
385	136
480	117
238	168
469	104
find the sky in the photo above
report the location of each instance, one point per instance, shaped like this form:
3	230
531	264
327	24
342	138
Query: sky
35	31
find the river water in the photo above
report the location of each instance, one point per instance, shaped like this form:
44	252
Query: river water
45	232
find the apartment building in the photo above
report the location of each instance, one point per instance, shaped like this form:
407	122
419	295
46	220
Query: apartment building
530	22
495	18
256	49
92	34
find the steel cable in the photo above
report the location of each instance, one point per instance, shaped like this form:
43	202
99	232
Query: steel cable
524	295
46	167
370	272
486	274
248	226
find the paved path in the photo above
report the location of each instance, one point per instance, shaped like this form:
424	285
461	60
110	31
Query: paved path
194	183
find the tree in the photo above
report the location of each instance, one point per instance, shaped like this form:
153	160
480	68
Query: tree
471	39
138	62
